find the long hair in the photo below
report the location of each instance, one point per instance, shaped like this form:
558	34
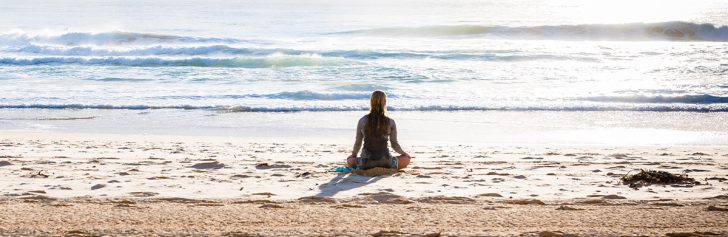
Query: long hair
377	120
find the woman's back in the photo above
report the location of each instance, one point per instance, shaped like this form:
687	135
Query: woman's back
375	130
375	144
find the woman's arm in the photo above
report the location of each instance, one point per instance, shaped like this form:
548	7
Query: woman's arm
359	136
393	138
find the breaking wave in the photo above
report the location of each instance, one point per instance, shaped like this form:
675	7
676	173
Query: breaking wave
237	62
306	100
225	50
672	31
323	108
111	38
286	95
684	99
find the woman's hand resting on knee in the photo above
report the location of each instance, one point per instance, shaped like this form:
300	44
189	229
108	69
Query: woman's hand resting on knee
351	160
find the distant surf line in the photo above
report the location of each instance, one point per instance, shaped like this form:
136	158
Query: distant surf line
434	108
666	31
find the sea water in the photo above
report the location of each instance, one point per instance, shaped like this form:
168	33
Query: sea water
183	63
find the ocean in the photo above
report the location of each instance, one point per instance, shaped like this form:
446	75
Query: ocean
221	66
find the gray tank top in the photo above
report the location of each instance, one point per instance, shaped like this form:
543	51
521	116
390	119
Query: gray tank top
376	144
376	147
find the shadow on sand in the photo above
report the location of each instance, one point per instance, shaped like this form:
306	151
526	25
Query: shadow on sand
343	182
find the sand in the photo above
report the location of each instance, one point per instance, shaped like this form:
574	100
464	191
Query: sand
105	184
237	218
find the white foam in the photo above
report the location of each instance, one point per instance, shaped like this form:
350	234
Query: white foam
276	60
677	31
18	37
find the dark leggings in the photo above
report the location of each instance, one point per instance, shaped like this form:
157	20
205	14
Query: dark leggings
384	161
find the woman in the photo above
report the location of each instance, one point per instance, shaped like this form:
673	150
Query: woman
375	129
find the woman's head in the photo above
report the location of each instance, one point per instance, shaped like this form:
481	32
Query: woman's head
377	123
378	102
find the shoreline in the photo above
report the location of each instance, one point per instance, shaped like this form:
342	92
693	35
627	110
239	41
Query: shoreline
502	128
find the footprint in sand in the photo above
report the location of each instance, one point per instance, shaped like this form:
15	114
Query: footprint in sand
5	163
613	196
490	195
98	186
526	202
143	194
239	176
568	208
264	194
265	166
271	205
208	165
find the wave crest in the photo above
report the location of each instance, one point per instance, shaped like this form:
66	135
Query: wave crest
684	99
673	31
286	95
224	50
104	38
238	62
221	108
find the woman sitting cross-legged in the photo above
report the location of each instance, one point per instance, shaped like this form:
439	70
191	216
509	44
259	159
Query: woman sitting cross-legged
376	129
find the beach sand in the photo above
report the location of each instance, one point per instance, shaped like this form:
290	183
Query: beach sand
104	184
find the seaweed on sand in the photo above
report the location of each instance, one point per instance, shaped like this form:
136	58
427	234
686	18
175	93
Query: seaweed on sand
649	177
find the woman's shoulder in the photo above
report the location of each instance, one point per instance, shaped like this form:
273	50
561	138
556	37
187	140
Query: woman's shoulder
366	117
363	120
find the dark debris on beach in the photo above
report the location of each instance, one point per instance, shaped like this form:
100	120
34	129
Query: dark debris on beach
649	177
